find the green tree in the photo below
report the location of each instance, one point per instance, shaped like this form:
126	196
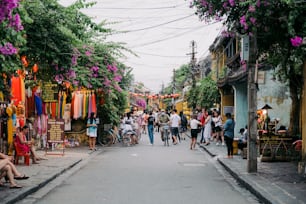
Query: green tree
278	26
204	95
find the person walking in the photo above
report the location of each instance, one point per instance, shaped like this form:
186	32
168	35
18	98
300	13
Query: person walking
184	123
218	132
151	121
163	120
194	123
229	127
207	130
92	131
203	118
175	121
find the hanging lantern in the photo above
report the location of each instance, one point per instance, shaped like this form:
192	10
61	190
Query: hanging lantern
35	68
24	61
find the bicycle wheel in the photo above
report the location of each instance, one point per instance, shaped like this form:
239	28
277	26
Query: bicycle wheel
107	138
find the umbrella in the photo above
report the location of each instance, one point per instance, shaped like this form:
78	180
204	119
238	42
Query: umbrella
266	107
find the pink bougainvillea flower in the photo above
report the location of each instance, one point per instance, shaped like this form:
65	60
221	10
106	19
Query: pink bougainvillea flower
253	20
258	3
232	2
71	74
75	82
118	78
8	49
94	68
107	82
88	53
252	8
59	78
118	88
296	41
112	68
15	23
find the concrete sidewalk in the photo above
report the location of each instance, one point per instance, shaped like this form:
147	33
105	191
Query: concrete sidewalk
44	172
274	182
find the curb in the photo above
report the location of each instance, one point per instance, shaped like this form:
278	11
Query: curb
244	183
240	180
40	185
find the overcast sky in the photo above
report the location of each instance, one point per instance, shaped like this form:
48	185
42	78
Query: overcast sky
160	34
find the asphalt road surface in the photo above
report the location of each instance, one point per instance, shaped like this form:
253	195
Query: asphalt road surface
146	174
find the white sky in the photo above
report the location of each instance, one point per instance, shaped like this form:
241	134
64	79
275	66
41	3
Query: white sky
161	34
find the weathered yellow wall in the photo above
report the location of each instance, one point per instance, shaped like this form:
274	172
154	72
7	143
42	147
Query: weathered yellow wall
226	100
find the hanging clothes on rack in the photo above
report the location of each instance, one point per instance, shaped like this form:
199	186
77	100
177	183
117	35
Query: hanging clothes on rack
94	105
16	89
38	104
85	97
89	105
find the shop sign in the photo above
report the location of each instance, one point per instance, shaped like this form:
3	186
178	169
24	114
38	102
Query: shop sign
55	136
50	92
55	130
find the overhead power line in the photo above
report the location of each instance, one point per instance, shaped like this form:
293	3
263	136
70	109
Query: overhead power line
173	36
137	8
158	25
166	56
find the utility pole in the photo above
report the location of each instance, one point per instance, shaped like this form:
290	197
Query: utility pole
173	89
193	66
252	104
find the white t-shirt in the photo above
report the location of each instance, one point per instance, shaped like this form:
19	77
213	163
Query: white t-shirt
194	124
175	120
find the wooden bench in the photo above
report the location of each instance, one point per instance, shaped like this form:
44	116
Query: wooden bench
19	153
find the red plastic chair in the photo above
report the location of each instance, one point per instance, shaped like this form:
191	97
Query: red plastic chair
19	153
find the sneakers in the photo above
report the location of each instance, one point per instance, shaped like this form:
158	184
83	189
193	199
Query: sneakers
217	143
223	143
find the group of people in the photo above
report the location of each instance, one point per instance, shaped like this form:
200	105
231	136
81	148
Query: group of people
7	168
9	171
151	121
209	124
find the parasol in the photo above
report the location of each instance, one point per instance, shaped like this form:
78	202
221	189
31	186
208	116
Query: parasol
266	107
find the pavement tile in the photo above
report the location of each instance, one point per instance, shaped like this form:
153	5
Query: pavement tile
43	173
274	182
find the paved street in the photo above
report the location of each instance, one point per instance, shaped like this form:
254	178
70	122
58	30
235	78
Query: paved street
148	174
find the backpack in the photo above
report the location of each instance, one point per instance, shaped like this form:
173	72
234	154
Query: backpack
184	120
164	118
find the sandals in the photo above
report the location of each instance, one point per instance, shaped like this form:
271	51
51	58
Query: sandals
23	177
15	186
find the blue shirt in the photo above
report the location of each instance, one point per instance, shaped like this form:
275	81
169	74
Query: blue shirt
229	127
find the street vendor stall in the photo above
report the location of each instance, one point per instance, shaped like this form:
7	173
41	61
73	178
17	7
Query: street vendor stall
274	143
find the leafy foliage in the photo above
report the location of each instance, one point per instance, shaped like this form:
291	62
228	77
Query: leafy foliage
204	95
278	27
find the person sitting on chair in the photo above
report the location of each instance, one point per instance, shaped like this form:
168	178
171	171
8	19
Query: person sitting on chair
26	146
243	140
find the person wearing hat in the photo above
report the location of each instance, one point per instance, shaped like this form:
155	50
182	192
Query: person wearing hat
163	119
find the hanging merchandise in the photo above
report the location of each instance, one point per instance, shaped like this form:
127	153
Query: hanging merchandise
93	106
89	105
38	104
16	90
66	117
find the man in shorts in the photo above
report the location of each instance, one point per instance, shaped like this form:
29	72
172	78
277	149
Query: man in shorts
175	121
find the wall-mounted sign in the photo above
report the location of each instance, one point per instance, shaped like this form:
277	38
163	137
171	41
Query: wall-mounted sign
245	48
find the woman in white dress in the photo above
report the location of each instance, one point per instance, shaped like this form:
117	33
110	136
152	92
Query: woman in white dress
207	130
